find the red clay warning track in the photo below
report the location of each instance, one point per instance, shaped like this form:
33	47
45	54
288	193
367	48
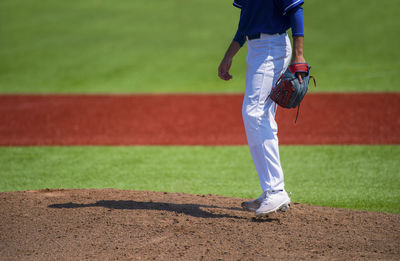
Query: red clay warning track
191	120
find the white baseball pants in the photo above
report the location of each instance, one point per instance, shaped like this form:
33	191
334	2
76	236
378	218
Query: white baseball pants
267	58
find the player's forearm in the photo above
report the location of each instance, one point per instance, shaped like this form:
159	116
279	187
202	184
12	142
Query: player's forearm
232	50
225	65
297	53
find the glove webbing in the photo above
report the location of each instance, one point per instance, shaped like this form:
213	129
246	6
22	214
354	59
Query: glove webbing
298	107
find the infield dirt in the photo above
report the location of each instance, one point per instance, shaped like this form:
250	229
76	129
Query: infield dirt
140	225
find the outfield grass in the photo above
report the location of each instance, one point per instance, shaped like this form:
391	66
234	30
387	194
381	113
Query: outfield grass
356	177
175	46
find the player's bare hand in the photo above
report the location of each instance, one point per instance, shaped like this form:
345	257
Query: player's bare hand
300	76
223	69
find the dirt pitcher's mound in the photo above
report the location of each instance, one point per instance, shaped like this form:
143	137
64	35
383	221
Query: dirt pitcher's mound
114	224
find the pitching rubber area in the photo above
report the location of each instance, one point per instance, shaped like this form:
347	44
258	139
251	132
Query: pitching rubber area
370	118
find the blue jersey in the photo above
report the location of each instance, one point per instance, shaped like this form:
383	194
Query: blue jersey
264	16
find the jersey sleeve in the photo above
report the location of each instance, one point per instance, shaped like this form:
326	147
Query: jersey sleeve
238	3
296	21
240	36
287	5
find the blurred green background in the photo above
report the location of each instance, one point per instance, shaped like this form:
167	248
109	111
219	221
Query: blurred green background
120	46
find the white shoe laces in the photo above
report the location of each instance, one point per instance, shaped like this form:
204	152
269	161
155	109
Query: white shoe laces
267	197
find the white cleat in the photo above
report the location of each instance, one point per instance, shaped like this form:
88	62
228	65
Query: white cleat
273	201
254	204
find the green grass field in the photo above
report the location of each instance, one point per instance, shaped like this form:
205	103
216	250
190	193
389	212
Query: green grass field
357	177
173	46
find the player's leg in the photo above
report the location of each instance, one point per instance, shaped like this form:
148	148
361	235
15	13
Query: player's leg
267	59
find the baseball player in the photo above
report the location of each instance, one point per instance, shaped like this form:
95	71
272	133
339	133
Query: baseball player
263	24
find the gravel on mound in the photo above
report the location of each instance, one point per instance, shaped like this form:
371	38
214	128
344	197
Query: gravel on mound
116	224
